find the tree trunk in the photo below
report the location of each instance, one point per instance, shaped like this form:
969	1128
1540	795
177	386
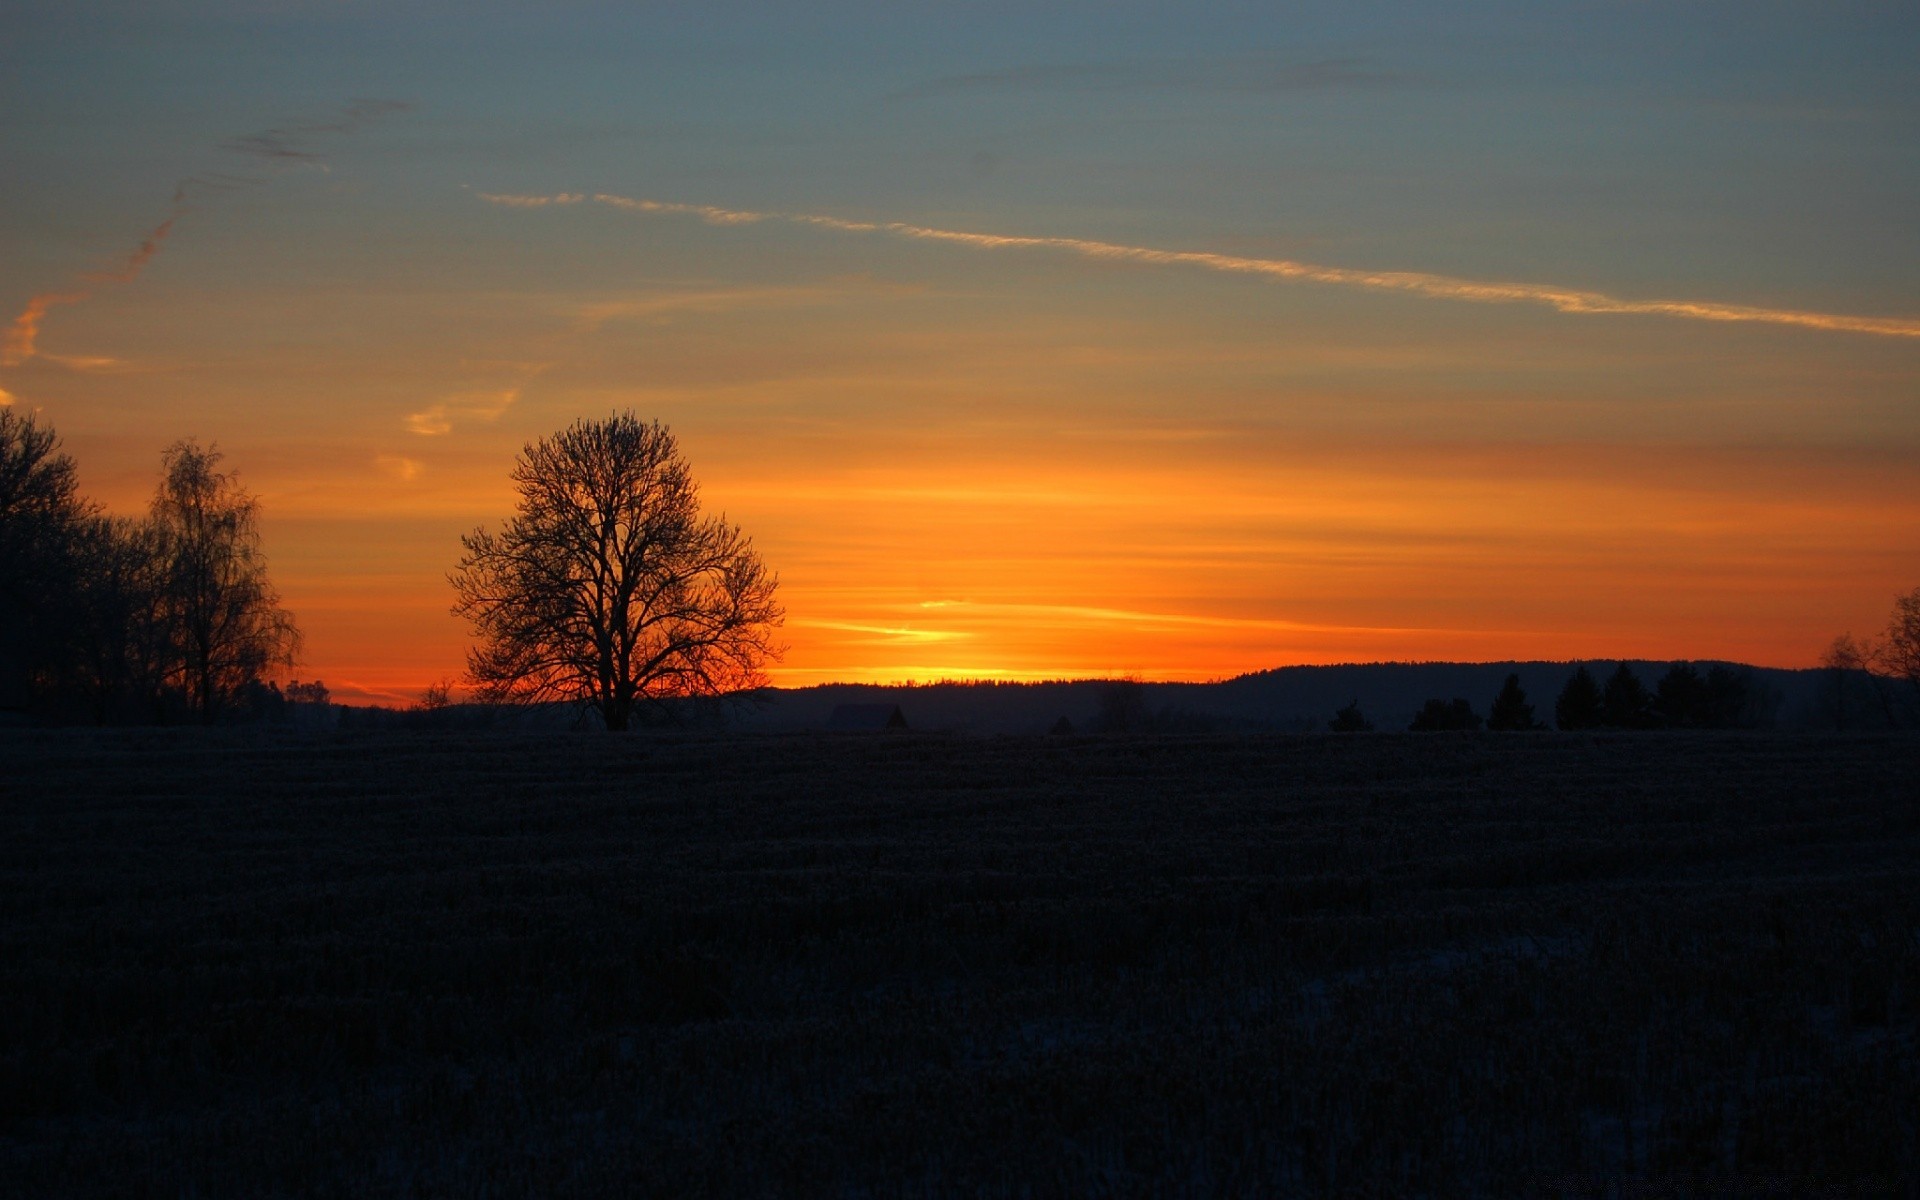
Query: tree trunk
206	692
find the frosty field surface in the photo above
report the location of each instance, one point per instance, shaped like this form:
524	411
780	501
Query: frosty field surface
245	964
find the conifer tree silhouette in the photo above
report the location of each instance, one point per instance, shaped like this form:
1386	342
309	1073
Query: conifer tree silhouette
1579	704
1624	702
1510	709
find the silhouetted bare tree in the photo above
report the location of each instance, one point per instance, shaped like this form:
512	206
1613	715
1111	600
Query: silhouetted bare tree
227	626
1845	661
437	697
37	492
1899	650
40	511
123	648
118	618
608	588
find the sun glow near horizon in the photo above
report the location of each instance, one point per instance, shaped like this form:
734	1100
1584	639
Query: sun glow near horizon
1194	572
1018	519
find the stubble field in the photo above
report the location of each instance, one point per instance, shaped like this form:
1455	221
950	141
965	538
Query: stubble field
236	964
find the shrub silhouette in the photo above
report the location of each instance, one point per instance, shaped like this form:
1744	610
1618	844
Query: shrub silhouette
1350	720
1438	715
315	693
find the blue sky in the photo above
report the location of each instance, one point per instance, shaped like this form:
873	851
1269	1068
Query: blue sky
1751	147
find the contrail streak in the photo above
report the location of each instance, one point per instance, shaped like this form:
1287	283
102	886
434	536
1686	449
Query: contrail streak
269	146
136	262
1416	283
23	336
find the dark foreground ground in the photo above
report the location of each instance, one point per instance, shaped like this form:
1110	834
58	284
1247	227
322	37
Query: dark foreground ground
407	964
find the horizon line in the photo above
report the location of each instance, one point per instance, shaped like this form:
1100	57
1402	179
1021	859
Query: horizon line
1052	680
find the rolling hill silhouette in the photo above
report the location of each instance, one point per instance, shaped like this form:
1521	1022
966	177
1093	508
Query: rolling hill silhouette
1284	699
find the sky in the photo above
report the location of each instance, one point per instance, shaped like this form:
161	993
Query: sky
1024	341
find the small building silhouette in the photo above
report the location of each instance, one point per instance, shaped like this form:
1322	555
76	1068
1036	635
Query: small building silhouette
867	718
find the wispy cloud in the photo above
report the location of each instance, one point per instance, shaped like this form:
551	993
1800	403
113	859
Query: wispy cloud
590	317
23	337
290	142
1246	74
24	334
398	466
504	201
716	216
1077	612
277	145
439	419
431	422
887	634
1415	283
368	691
101	364
595	315
6	398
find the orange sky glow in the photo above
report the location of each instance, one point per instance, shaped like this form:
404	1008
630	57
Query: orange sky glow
1004	487
1021	379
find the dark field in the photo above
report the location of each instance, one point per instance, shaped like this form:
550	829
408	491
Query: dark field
408	964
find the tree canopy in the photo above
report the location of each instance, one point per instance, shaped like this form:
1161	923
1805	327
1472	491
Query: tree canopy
225	617
1900	650
41	515
608	588
115	618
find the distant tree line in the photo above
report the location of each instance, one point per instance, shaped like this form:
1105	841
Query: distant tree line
1875	682
1721	697
162	618
1124	709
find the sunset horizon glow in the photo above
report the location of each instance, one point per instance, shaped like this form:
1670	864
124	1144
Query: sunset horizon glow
1023	346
